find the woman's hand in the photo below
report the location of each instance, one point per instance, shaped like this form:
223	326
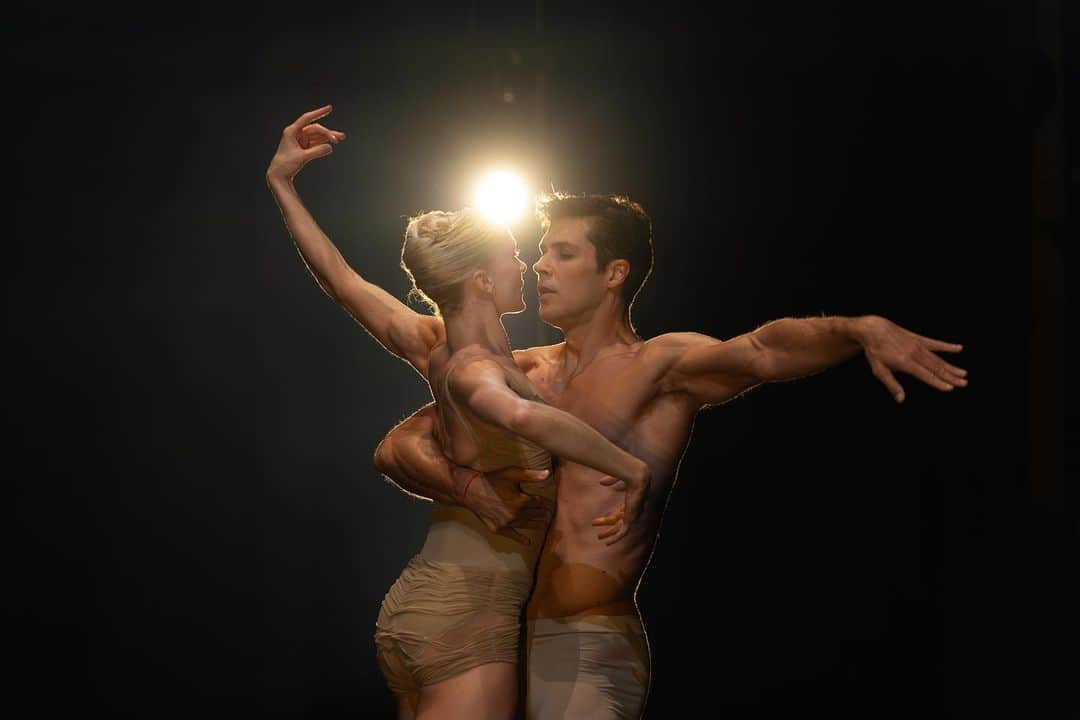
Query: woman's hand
301	142
620	521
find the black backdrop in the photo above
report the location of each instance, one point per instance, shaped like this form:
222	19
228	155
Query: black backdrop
198	521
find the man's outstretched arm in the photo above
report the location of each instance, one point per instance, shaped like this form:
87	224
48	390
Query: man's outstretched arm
714	371
411	458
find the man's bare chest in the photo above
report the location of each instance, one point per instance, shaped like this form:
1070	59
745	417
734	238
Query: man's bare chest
610	394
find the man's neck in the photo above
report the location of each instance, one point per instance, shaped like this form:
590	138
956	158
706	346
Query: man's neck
592	337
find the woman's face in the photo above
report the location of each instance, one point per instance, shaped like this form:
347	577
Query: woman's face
508	273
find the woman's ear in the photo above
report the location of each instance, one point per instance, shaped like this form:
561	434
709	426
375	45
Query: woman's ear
482	282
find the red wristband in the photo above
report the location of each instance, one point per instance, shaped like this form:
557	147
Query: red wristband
467	484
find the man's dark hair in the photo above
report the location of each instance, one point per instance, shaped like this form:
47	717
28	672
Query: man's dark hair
620	230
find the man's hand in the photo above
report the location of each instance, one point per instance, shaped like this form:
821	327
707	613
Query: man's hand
301	142
502	501
889	347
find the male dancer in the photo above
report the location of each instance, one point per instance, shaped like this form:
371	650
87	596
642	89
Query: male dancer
587	651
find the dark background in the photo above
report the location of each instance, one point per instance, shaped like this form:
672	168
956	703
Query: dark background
198	523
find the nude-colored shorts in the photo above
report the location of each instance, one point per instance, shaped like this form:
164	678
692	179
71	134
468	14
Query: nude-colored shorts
441	619
595	667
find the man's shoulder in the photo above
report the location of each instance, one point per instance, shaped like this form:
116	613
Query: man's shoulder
665	355
677	341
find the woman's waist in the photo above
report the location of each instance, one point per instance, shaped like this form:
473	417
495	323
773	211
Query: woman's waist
457	536
430	587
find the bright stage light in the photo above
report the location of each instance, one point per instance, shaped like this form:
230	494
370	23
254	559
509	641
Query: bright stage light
502	197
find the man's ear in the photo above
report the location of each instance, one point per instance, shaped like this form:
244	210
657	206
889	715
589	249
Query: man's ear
617	271
482	281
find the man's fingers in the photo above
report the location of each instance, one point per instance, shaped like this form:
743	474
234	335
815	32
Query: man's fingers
941	344
883	374
927	376
945	371
947	374
953	369
958	373
931	370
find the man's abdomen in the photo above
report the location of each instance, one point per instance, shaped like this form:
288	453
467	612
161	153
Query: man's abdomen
564	589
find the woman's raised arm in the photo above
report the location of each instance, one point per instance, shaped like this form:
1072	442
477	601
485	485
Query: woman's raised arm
404	332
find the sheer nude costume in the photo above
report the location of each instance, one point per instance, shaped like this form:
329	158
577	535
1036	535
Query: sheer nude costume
590	666
459	602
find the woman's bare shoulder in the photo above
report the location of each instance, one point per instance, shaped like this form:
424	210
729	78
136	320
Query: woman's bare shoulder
534	357
474	364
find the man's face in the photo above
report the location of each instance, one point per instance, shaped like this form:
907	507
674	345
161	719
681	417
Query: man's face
570	286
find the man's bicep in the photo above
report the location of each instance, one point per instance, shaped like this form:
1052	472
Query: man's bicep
713	371
412	457
420	424
407	437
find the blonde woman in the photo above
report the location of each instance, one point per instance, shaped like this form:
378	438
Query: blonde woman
448	631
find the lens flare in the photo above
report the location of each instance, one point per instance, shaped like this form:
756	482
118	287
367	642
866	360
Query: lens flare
502	197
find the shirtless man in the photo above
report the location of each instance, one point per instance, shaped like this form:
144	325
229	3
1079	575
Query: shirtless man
587	652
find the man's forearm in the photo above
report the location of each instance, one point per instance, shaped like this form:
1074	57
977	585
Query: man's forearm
796	347
425	474
412	459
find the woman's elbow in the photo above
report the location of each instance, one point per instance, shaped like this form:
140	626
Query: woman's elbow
522	419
